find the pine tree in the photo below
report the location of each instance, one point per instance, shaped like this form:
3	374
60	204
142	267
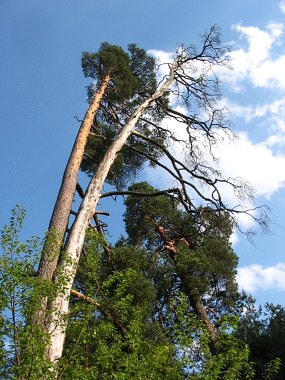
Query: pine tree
132	308
117	79
140	133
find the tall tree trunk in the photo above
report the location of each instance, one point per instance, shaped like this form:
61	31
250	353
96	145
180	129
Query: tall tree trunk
62	208
60	216
67	267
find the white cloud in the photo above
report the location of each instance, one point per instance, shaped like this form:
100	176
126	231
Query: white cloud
253	277
267	119
162	59
234	239
251	111
162	56
238	158
261	163
255	163
256	63
282	6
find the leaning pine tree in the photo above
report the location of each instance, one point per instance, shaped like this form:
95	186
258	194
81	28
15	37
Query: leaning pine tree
68	265
192	81
118	77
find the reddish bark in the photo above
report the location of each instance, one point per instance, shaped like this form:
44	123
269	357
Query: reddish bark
63	205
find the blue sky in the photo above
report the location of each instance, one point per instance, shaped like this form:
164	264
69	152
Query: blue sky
43	89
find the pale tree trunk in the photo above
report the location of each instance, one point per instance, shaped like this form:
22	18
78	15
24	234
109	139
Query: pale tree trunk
68	266
63	205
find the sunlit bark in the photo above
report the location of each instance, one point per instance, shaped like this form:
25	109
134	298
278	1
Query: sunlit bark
74	244
63	205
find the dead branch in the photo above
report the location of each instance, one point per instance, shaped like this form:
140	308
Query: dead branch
89	300
84	298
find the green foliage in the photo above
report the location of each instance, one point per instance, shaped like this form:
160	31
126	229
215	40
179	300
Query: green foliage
272	369
162	303
140	323
263	330
117	339
22	347
133	80
141	212
143	324
111	59
205	260
137	320
133	74
127	163
232	364
192	343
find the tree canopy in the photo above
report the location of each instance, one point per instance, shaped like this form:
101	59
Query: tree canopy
162	302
